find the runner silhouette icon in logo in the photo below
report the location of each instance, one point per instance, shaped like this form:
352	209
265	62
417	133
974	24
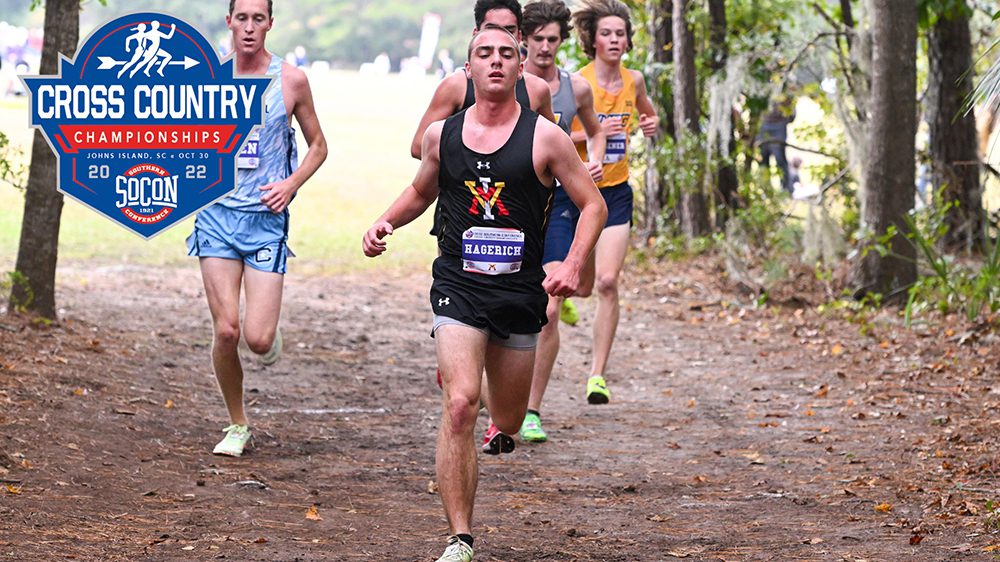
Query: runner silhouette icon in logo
147	50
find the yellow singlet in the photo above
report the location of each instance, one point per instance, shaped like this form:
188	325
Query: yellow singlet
607	105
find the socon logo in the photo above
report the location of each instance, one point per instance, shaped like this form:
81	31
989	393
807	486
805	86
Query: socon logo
146	122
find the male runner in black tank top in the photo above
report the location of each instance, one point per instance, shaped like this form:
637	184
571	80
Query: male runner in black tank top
494	165
456	93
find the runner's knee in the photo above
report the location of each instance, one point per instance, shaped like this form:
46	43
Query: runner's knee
259	343
227	335
461	411
509	423
607	285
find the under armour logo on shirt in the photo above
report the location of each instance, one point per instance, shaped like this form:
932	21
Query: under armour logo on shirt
444	302
481	165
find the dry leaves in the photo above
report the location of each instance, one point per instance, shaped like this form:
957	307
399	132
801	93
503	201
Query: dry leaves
883	507
312	513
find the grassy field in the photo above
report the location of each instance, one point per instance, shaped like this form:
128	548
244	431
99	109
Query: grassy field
368	122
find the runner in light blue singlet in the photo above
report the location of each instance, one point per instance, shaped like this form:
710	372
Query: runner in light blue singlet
240	226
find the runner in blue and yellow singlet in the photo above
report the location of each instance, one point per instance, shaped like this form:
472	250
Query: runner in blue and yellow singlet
605	32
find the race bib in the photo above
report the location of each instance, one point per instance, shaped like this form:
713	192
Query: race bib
249	157
615	151
492	251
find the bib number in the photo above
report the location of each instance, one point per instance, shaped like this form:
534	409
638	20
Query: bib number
615	151
249	157
492	251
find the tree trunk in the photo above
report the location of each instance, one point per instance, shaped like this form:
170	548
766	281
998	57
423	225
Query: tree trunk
665	55
38	249
954	155
887	194
654	191
693	210
726	179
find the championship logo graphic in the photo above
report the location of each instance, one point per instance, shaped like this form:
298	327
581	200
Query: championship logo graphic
146	122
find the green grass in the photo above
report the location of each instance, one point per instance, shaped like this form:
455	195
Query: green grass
368	123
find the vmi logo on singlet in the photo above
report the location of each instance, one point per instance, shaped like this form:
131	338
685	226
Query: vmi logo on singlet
486	194
145	121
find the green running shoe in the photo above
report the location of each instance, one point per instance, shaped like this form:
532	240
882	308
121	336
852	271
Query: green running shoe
457	551
597	390
235	441
531	430
568	313
273	354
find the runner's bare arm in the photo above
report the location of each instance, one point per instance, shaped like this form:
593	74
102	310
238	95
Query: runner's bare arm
540	96
415	198
559	157
649	121
447	99
596	140
278	195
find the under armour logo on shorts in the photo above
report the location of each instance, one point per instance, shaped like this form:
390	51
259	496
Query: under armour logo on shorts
480	165
444	302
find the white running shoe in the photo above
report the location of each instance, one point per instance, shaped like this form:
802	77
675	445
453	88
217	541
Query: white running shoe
457	551
235	441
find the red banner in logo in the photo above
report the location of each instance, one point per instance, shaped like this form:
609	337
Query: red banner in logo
146	137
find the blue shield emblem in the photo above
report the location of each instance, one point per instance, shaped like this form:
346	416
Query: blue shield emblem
146	122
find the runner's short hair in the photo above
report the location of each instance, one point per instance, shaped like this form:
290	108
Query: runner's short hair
270	12
543	12
495	27
483	6
590	12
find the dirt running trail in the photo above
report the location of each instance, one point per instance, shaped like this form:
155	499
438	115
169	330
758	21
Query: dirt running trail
732	434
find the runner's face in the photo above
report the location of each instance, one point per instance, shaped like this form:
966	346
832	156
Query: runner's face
494	65
502	17
543	44
249	24
611	40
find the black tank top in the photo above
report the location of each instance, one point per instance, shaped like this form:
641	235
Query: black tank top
495	210
520	93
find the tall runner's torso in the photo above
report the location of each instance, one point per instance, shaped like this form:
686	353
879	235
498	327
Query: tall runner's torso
270	154
608	105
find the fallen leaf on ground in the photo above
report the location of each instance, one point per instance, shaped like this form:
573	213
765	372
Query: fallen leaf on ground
312	514
169	404
814	540
883	507
11	489
837	349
